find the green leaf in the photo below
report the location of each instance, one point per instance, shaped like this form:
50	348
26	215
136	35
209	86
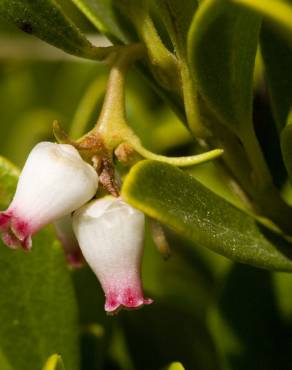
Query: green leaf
277	56
276	48
38	313
45	19
179	201
222	45
277	11
54	362
101	14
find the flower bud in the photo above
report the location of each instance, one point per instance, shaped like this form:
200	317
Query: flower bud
111	237
67	238
54	182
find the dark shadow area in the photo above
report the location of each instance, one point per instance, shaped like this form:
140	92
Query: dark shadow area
160	335
248	306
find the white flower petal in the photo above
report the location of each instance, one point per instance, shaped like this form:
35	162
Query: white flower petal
53	183
111	237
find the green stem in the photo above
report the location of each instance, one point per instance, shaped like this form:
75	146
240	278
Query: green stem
114	129
163	62
112	120
175	161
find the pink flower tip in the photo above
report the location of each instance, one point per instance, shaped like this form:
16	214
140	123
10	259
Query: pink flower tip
126	299
16	232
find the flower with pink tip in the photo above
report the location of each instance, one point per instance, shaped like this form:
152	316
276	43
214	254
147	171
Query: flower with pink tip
111	237
54	182
67	238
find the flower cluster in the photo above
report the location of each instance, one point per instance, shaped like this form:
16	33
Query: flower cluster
55	186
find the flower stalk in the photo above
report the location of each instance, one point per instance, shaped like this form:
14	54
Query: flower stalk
112	124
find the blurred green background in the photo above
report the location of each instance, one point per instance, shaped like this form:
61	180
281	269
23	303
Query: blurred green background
208	313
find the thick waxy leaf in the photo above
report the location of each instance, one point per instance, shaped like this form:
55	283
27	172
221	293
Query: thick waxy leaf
45	19
38	314
222	45
179	201
100	13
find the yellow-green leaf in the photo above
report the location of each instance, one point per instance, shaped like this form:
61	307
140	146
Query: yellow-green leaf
101	14
222	44
179	201
277	11
46	20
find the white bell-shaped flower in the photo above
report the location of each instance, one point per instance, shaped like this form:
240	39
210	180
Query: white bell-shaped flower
54	182
67	238
111	236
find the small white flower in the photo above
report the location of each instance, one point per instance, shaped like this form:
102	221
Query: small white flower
111	237
54	182
66	236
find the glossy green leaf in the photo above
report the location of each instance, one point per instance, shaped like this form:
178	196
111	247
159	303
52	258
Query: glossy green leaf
222	45
54	362
101	14
179	201
277	56
45	19
38	314
279	12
